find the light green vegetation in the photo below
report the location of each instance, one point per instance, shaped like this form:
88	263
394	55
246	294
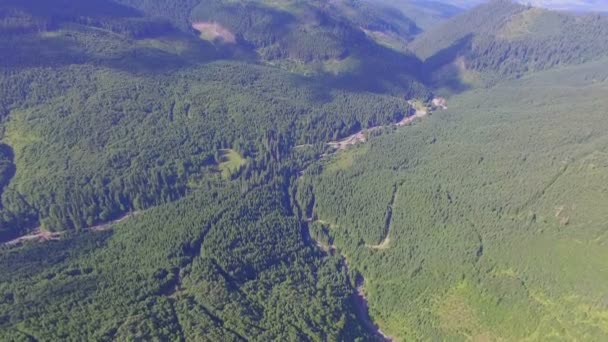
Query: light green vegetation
230	162
22	139
522	24
335	67
345	159
418	105
172	44
390	41
17	135
499	231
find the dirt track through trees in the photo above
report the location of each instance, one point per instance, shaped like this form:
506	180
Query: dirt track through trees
385	243
41	235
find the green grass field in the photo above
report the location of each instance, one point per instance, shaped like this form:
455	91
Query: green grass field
230	162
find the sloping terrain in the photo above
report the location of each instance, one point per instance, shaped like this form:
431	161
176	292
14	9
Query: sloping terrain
499	228
117	112
262	170
505	39
108	110
426	14
305	31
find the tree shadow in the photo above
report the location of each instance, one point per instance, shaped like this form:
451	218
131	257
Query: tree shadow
62	10
380	70
440	70
384	70
447	55
99	32
7	165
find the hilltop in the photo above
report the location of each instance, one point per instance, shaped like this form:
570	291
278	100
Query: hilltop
504	39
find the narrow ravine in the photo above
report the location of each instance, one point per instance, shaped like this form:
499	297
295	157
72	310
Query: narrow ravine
358	296
362	308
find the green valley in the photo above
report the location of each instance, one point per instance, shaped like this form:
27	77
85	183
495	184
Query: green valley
498	229
287	170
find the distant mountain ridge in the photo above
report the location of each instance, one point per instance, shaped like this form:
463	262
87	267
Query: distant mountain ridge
504	38
560	5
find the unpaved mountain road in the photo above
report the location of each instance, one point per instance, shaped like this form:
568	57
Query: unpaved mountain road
41	235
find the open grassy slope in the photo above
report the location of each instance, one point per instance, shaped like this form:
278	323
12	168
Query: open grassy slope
231	162
498	230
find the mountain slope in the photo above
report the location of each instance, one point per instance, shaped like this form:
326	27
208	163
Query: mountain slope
502	38
84	113
426	14
153	171
483	221
178	171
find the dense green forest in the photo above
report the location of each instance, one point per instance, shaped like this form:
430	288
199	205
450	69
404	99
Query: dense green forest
515	39
306	31
166	163
425	13
484	221
118	113
84	117
184	271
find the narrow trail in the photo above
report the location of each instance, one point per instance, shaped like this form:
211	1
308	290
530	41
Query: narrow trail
40	235
385	243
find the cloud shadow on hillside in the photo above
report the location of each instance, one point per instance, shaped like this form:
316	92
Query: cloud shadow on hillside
440	70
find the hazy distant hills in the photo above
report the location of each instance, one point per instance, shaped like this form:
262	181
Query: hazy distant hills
560	5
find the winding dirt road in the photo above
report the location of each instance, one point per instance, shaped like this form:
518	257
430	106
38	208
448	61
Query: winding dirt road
361	136
40	235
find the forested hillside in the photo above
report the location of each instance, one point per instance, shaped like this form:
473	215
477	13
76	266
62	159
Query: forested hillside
154	169
506	39
426	14
484	221
83	116
207	170
217	265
